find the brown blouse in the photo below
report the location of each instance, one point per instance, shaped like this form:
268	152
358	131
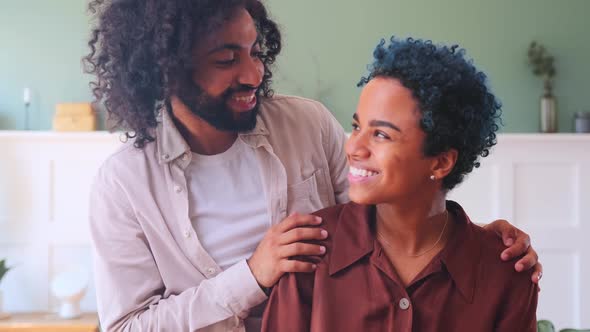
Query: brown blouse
466	287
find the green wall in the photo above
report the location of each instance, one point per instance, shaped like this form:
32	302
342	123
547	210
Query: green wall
327	47
41	45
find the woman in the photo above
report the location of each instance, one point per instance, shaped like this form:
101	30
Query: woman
400	257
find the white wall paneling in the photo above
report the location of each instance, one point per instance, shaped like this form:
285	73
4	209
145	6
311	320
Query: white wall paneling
45	179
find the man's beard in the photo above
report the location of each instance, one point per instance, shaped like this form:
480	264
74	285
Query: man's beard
215	110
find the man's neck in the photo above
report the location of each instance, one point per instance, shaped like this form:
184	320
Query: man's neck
201	136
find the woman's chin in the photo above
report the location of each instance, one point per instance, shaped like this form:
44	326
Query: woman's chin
361	197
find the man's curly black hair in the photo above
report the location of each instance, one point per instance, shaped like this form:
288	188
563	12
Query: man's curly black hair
458	110
140	49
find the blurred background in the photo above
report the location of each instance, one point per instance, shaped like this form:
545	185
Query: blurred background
539	181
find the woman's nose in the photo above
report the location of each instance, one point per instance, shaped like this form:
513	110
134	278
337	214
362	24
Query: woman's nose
356	147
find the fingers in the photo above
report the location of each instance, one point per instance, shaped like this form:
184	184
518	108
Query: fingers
296	266
302	234
527	262
517	249
505	230
297	249
538	274
298	220
521	245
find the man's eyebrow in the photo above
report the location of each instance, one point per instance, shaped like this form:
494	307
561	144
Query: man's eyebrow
232	46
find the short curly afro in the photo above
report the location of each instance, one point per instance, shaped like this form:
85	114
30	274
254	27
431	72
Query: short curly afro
141	49
458	109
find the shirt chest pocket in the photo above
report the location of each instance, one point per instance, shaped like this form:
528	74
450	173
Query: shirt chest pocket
309	195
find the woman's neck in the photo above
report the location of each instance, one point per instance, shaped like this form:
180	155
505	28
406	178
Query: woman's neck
414	226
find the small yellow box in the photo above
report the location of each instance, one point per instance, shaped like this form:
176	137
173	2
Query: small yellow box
74	117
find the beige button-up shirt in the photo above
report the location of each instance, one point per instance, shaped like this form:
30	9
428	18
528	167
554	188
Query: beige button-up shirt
152	274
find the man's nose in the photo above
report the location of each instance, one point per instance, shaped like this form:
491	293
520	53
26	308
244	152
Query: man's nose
252	71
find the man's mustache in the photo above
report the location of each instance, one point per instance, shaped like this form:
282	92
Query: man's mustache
241	88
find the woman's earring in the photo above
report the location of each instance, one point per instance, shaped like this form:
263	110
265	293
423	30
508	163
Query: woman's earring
432	177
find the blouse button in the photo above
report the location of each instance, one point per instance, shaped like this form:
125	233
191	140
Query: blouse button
404	303
178	189
210	270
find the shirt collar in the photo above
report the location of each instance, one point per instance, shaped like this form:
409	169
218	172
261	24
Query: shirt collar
354	239
462	255
172	145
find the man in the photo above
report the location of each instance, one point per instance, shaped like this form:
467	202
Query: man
201	215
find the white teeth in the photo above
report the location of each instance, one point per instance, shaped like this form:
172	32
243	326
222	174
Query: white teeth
244	99
362	172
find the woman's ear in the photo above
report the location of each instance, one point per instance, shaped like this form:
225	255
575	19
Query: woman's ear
444	163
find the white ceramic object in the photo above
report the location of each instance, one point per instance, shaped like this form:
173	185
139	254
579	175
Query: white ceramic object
69	287
3	315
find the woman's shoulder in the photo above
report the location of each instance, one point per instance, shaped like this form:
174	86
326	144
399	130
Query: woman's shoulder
491	263
333	215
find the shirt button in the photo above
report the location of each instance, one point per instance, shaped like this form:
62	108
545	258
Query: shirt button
165	156
185	157
177	189
187	233
210	270
404	303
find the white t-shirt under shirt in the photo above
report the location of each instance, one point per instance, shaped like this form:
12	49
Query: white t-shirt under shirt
228	207
227	204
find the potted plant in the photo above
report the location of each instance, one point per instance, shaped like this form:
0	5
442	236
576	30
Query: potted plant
547	326
542	64
3	270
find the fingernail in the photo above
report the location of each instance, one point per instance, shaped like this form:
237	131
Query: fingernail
539	276
322	249
314	266
519	267
509	242
324	233
504	256
318	220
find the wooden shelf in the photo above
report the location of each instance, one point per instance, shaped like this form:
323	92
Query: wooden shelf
46	322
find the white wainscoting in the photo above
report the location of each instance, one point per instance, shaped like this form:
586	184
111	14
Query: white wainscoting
44	185
539	182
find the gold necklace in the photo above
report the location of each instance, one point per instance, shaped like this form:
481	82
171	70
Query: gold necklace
382	239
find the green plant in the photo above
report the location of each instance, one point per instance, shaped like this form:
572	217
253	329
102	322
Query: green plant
3	268
543	65
547	326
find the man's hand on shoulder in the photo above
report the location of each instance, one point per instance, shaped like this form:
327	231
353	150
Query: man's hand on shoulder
518	243
283	241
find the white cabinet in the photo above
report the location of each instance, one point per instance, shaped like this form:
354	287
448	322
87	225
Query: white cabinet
44	183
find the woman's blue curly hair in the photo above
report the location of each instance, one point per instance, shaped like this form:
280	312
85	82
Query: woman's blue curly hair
458	109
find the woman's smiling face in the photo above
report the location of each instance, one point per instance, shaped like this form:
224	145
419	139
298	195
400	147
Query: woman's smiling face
384	150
